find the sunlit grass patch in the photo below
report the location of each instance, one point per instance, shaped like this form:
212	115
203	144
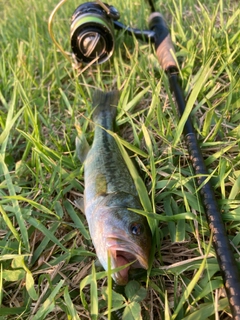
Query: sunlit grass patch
47	260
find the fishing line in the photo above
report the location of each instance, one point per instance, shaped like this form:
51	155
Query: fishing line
50	30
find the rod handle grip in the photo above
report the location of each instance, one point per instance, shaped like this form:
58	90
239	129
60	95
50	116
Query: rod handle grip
163	43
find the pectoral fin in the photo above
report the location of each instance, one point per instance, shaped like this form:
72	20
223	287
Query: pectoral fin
82	146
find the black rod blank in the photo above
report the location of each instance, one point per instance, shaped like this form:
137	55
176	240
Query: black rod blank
225	256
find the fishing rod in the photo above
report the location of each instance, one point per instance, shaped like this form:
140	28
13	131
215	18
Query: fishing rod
92	42
227	263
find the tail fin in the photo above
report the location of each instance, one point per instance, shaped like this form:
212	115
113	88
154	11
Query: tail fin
105	104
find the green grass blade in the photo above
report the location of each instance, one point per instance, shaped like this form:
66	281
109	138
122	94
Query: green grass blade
44	243
192	283
140	186
152	164
109	287
10	121
94	294
36	205
38	225
78	223
201	79
49	303
9	224
1	284
71	309
15	204
208	309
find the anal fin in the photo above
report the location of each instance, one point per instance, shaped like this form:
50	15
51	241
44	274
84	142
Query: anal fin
79	203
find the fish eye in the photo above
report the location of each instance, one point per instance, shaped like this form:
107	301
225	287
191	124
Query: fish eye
136	228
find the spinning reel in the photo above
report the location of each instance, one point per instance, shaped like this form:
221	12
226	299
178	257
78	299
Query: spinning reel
92	32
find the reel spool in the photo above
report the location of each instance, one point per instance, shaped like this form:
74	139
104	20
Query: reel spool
92	32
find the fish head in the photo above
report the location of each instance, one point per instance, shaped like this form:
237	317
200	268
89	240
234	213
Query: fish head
122	235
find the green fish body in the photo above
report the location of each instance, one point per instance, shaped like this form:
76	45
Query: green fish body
117	232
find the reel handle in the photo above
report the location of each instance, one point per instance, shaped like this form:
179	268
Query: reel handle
163	43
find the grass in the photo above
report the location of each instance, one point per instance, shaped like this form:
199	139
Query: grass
47	258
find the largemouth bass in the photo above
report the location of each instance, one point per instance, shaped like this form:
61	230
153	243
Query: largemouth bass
117	232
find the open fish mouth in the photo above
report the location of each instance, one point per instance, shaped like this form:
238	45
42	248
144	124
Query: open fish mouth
123	252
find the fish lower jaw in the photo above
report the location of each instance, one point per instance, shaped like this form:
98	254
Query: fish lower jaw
121	277
120	258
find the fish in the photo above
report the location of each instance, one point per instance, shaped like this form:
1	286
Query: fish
117	233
